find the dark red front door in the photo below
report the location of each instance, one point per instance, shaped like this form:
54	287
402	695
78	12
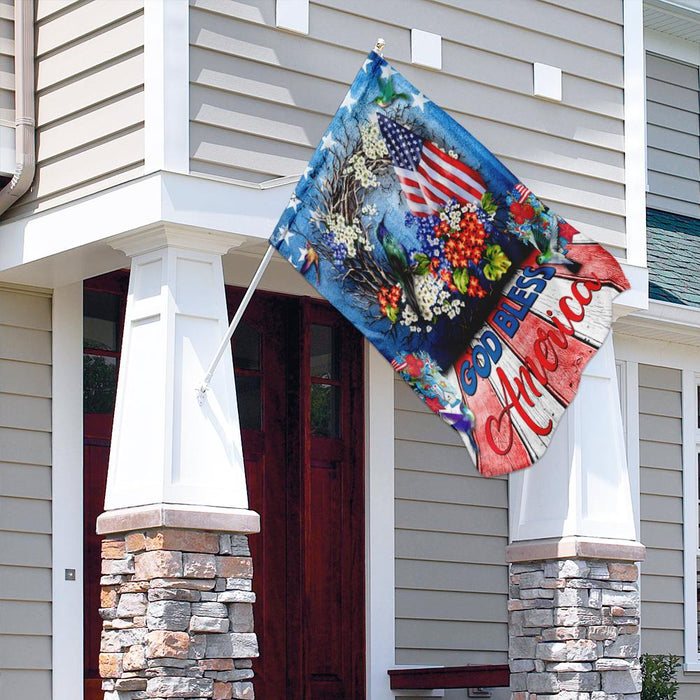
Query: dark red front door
299	381
299	384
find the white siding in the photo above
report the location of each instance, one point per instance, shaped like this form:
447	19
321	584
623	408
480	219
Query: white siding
90	105
451	534
261	98
25	495
673	136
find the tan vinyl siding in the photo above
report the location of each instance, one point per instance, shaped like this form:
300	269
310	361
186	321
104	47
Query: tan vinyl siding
673	136
661	512
90	100
261	98
7	63
25	494
451	534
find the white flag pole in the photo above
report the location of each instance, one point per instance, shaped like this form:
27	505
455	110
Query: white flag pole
201	390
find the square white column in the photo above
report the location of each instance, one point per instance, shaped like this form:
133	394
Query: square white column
580	487
166	447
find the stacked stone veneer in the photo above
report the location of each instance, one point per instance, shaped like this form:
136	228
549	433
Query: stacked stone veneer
177	616
574	630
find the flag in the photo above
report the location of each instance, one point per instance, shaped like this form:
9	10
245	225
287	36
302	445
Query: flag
429	177
483	300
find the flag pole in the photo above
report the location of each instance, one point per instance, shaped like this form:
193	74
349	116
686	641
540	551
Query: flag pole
201	390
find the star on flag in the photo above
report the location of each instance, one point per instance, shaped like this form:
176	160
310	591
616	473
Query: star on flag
348	102
420	100
327	142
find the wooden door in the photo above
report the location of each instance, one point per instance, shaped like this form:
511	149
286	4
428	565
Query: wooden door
299	384
332	526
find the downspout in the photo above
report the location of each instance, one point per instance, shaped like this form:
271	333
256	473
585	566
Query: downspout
24	106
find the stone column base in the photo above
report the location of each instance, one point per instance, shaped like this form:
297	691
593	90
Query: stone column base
574	628
177	615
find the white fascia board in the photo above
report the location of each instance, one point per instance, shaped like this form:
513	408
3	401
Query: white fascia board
227	207
41	246
654	351
671	46
128	207
664	321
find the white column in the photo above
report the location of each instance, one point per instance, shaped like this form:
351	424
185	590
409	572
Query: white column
168	449
580	488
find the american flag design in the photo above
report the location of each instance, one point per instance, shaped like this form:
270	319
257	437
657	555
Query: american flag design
398	365
523	191
429	177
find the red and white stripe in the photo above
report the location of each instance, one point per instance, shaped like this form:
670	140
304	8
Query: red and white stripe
438	179
399	365
523	192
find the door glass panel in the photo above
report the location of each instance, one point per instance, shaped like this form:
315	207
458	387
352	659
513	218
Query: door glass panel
99	383
249	401
247	359
246	347
100	320
324	353
325	410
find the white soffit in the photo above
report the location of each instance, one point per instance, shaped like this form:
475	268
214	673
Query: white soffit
679	18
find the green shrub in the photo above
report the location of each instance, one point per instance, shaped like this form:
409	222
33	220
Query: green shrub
659	676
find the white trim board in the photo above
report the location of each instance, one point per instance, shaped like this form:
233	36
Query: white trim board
187	200
631	406
635	133
379	523
166	86
671	46
690	517
67	492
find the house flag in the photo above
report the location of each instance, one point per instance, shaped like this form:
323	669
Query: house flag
486	302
